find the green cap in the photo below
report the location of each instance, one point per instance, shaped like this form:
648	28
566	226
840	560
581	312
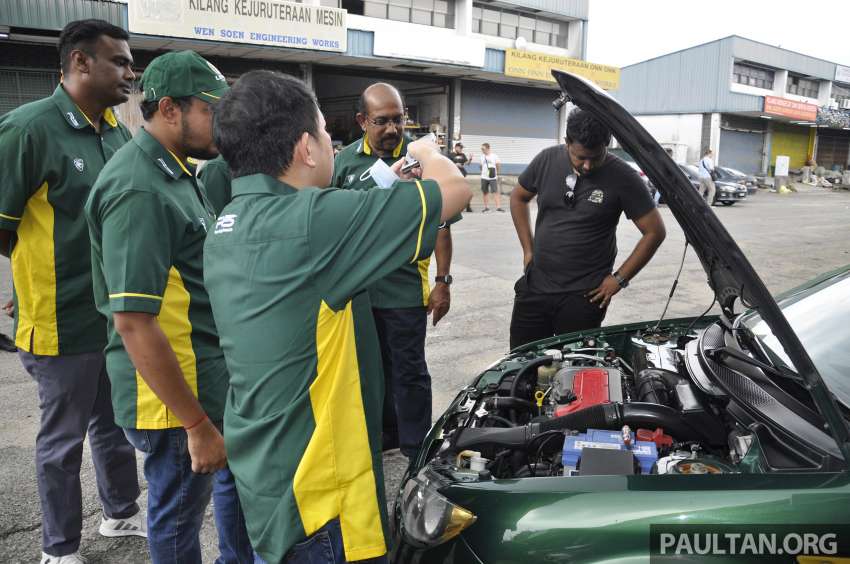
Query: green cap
179	74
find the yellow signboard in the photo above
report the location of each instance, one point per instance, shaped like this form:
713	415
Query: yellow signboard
538	66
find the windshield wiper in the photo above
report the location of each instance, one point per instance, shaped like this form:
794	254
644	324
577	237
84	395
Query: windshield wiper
718	354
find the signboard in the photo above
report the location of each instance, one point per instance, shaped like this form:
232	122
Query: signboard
790	108
782	164
538	66
260	22
455	50
842	74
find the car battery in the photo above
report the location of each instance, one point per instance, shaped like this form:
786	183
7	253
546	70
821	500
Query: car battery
645	452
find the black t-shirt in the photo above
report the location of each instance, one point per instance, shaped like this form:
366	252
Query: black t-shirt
575	247
460	159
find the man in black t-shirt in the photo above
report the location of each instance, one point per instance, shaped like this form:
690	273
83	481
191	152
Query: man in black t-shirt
460	159
581	191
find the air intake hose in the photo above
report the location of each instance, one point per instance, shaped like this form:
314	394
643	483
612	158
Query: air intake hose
603	416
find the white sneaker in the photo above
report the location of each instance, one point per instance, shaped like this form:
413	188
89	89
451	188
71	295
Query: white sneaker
67	559
129	527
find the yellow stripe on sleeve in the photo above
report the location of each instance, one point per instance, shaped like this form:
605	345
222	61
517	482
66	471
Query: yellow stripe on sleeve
13	218
132	295
421	223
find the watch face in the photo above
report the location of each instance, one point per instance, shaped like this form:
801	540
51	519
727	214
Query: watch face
447	279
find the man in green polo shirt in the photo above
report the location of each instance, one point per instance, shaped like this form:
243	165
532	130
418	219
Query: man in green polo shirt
286	267
215	176
148	218
51	151
402	300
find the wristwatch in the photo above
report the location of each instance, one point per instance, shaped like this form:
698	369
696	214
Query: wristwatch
620	280
447	279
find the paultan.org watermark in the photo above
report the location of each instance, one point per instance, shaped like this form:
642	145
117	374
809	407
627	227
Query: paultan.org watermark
749	543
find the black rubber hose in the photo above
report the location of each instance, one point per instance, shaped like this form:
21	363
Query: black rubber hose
528	368
614	416
509	403
603	416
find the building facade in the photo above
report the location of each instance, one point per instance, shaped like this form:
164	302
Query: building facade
747	101
465	67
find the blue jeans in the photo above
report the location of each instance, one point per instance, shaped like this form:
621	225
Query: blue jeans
322	547
178	497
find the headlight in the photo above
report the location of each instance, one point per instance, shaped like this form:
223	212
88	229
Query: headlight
428	517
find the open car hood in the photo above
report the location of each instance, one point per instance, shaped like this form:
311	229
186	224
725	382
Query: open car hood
730	274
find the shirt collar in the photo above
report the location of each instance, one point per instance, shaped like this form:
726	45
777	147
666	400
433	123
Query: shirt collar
261	184
365	149
164	159
74	115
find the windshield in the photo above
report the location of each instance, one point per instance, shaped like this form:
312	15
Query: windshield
819	315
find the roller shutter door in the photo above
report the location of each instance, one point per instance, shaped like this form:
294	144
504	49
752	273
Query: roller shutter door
18	87
833	148
791	141
741	150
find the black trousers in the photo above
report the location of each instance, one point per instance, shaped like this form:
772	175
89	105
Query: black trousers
538	316
407	395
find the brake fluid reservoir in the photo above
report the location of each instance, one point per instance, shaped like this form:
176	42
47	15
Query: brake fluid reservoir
545	373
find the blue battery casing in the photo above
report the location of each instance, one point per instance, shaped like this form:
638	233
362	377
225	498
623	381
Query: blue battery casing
645	452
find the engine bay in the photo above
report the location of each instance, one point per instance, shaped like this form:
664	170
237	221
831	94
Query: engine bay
622	404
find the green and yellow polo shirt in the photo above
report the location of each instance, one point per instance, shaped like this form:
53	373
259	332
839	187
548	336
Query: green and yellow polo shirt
148	219
286	271
409	285
215	179
50	156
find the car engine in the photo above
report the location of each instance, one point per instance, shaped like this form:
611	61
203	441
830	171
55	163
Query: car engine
592	407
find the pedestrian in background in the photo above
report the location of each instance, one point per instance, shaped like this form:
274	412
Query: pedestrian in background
707	189
148	219
287	266
459	158
491	167
402	300
569	277
51	151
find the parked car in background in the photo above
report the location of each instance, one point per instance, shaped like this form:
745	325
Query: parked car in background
728	191
572	448
736	175
636	167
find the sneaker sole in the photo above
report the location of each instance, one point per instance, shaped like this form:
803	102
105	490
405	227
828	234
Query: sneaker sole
112	533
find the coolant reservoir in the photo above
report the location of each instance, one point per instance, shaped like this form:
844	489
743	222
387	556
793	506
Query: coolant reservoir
546	373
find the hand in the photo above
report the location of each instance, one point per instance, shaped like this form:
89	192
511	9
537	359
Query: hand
206	448
604	292
412	173
9	308
440	301
422	148
526	260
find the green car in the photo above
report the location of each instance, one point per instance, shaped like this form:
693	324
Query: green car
713	438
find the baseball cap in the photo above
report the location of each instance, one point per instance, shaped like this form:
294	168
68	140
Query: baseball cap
179	74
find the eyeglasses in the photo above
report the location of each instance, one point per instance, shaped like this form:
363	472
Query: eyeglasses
384	121
570	194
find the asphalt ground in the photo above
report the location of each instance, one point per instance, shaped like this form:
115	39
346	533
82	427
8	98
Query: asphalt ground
788	239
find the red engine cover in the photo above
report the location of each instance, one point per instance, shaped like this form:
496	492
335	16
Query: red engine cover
590	386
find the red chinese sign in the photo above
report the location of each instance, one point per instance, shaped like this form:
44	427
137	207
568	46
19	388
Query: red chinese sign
790	108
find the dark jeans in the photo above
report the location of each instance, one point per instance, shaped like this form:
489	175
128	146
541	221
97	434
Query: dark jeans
178	497
407	395
537	316
74	398
322	547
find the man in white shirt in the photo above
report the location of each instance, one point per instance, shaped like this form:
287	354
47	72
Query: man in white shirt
706	182
490	168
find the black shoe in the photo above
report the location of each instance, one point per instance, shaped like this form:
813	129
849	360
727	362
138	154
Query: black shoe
7	344
500	210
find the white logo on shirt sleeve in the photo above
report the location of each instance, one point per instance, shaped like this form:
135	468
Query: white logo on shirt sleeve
225	223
